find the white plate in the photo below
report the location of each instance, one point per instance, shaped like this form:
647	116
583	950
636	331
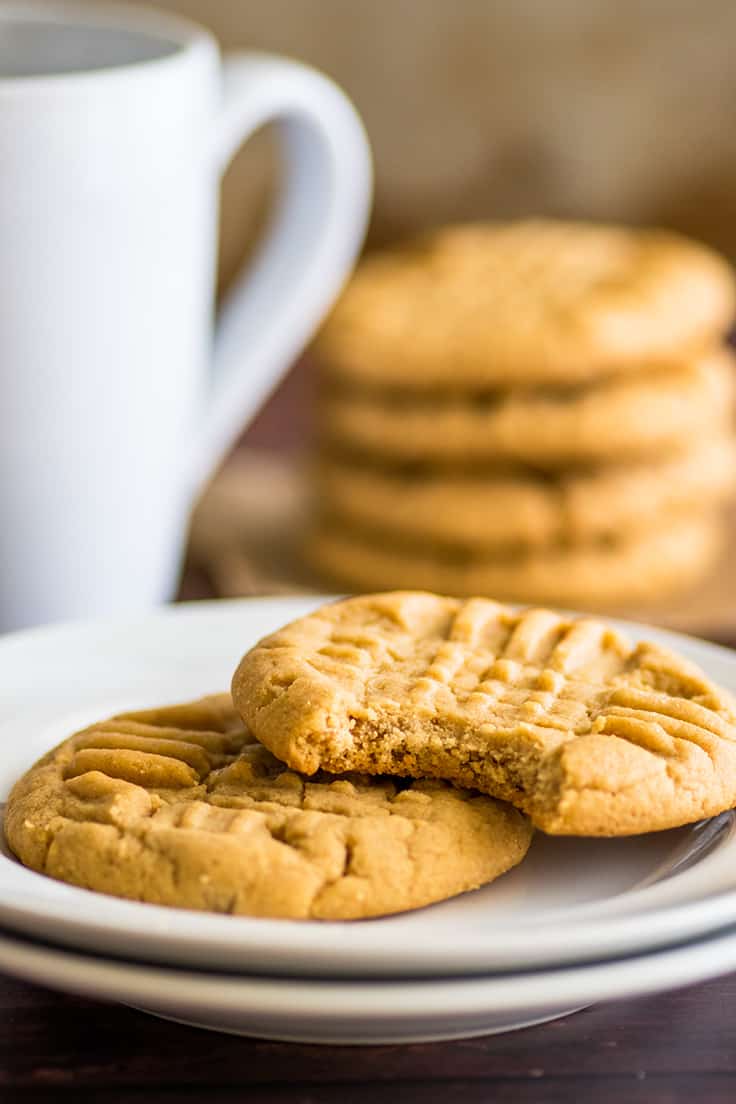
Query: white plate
569	901
365	1012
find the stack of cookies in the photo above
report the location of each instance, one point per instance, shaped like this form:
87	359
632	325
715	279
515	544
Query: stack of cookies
535	410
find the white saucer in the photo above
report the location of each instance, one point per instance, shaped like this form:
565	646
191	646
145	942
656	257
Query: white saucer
569	901
365	1012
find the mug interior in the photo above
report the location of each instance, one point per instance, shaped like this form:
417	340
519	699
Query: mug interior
36	49
52	39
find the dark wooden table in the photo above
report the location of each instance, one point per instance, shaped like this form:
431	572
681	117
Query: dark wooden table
672	1048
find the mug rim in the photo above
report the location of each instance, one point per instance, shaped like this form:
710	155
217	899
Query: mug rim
177	31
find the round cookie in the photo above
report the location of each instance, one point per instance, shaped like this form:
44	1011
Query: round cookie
535	301
561	716
607	574
182	806
513	507
618	418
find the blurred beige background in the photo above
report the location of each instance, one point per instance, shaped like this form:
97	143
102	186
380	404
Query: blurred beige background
475	107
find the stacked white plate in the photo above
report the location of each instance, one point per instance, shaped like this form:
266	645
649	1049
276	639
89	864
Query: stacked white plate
579	921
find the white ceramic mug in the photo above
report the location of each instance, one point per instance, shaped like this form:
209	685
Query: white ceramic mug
115	401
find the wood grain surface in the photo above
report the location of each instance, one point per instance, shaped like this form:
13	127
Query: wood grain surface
671	1048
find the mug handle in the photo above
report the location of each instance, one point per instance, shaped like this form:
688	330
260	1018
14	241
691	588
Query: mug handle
317	230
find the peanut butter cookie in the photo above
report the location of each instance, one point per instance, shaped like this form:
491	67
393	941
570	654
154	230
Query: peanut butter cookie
486	508
521	302
182	806
563	717
617	419
638	569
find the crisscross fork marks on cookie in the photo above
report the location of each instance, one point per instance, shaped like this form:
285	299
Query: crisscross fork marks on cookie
155	752
464	646
200	816
560	716
519	668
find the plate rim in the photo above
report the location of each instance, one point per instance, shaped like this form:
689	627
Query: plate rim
706	956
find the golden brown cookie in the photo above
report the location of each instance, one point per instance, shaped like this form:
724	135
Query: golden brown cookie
604	574
615	419
182	806
563	717
489	508
520	302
